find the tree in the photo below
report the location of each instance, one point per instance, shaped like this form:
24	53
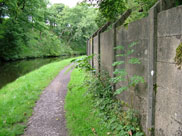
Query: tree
74	25
23	30
53	12
111	9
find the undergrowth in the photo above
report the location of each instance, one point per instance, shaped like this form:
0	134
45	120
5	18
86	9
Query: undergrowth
119	118
115	115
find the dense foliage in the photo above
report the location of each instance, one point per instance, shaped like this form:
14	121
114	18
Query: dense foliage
110	10
74	25
30	29
24	31
118	116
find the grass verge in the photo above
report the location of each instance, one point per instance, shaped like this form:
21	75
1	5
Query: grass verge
81	116
17	99
93	109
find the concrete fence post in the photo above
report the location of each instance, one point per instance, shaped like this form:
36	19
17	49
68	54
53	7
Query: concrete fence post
118	23
90	49
99	52
87	48
92	43
114	52
152	68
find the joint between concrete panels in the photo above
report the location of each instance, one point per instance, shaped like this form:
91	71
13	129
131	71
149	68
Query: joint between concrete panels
114	51
92	51
152	70
99	52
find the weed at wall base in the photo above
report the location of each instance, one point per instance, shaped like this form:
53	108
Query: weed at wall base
119	120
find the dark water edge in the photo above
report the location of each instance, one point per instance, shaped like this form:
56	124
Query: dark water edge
11	70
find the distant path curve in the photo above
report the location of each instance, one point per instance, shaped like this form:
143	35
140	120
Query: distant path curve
49	117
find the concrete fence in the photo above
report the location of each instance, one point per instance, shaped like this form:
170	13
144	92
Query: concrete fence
159	100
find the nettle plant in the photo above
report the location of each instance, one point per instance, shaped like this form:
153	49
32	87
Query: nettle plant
119	121
83	63
121	75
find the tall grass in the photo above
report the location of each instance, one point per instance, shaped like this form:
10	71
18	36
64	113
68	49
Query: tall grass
81	116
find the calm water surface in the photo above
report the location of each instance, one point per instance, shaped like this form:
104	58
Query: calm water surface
10	71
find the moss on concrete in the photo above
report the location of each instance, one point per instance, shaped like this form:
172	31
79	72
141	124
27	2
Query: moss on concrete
178	57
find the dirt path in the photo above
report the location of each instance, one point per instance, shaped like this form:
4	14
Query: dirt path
49	117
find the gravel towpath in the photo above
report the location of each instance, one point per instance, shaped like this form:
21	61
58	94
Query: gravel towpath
49	116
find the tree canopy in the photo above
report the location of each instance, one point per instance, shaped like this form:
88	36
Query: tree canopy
34	29
110	10
73	25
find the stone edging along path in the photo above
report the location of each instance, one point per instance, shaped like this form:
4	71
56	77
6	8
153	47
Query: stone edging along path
49	116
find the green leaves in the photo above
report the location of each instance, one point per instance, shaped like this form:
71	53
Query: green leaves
120	72
24	27
129	52
134	61
117	79
110	9
84	63
120	90
132	44
120	47
73	25
121	75
134	80
117	63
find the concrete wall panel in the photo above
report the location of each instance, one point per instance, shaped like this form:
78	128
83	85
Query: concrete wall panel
168	110
170	22
137	32
168	113
96	53
167	48
107	54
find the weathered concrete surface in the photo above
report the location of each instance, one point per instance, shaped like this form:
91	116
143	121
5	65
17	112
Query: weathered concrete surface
96	53
107	51
137	32
90	49
49	117
169	22
157	37
168	114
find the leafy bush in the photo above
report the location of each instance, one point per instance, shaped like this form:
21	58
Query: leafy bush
119	120
121	75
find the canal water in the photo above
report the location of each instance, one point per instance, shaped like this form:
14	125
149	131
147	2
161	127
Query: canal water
10	71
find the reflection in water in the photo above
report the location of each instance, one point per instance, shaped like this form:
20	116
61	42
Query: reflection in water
10	71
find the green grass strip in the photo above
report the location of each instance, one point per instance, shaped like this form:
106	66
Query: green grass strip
82	119
17	99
